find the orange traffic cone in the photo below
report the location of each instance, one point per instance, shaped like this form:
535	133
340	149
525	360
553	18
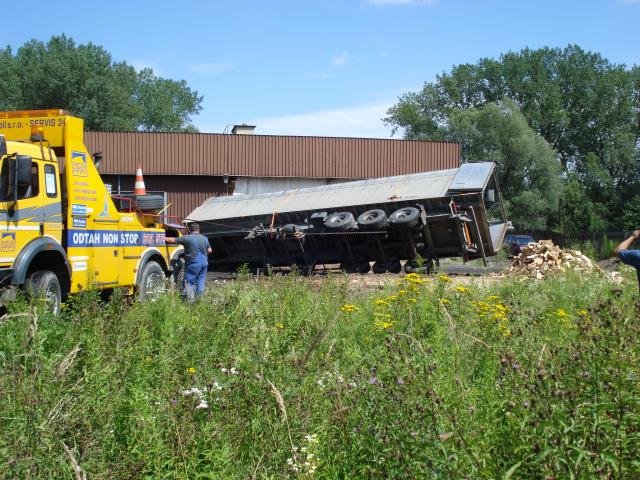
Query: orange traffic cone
139	188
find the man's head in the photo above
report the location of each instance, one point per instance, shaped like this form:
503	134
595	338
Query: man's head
194	227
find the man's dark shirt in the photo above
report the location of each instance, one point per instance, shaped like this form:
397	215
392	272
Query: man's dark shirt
630	257
195	245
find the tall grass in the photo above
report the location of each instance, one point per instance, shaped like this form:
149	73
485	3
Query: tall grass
286	378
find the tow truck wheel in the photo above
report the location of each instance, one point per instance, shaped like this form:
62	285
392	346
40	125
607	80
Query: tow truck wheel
44	285
152	281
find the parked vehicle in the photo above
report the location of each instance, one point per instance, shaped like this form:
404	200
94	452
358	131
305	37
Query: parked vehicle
513	243
416	218
60	230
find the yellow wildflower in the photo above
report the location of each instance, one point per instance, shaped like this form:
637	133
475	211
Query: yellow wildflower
191	371
379	302
445	301
504	329
462	289
561	313
382	325
444	278
279	325
349	308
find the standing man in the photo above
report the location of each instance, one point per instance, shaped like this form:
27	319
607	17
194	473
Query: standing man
630	257
196	249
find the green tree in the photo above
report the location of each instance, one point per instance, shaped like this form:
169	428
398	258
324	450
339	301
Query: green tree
585	107
528	168
86	81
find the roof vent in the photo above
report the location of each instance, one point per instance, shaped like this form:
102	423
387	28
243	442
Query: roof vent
243	129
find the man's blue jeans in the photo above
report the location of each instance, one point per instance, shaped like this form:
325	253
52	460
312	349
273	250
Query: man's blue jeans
195	274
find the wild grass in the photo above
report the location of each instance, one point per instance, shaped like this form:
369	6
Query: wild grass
280	378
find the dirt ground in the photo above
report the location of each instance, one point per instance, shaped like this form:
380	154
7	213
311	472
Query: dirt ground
472	273
460	274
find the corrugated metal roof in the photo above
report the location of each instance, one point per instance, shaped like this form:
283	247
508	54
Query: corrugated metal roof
267	155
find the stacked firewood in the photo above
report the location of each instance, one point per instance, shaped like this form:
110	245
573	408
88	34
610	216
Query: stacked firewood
541	258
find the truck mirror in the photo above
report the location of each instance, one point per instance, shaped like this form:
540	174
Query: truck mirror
3	146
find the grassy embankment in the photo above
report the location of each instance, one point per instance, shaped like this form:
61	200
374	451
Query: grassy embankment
276	378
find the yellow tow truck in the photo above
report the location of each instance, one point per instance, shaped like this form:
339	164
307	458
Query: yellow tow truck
60	229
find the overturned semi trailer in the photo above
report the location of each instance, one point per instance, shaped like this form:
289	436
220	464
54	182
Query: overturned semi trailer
417	218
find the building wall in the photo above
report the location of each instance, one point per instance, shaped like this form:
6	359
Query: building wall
258	185
267	155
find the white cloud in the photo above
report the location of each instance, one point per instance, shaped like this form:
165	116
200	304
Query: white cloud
213	69
356	121
400	2
341	59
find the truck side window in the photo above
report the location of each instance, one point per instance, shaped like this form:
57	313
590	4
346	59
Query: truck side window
50	181
31	190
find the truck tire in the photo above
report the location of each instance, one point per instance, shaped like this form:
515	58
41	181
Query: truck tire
44	285
373	219
151	283
358	267
391	266
177	271
407	217
340	221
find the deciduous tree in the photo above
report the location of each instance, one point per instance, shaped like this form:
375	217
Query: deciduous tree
86	81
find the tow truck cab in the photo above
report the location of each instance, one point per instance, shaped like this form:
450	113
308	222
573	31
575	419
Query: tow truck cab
60	230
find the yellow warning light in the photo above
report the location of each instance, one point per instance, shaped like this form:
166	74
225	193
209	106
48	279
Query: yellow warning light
51	112
37	133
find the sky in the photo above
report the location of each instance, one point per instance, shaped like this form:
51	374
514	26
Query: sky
320	67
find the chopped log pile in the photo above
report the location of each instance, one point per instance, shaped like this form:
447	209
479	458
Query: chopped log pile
539	259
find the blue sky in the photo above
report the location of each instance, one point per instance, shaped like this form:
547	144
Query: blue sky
320	67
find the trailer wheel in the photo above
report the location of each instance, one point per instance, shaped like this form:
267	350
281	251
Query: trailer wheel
407	217
340	221
380	267
394	267
44	285
358	267
373	219
152	281
391	266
